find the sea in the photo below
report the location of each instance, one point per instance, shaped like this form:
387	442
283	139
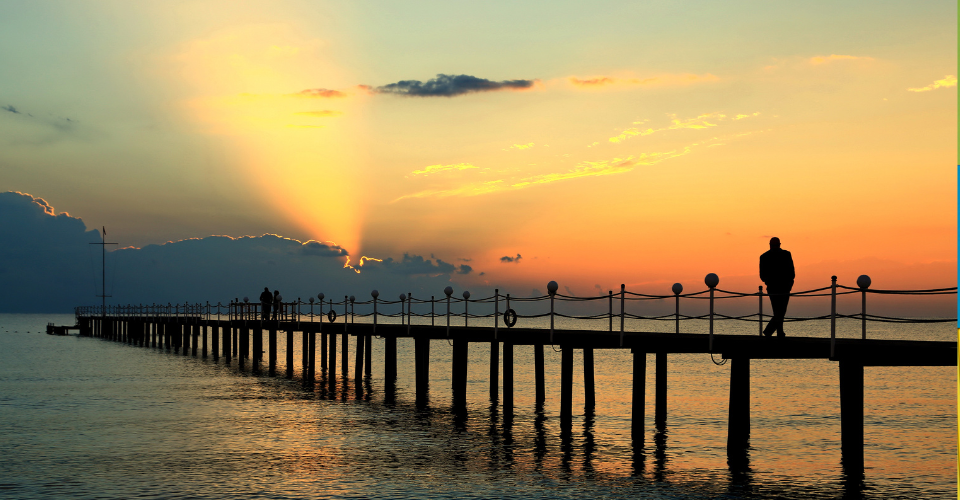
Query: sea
88	418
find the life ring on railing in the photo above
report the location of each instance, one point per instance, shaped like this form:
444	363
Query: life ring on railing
510	318
332	315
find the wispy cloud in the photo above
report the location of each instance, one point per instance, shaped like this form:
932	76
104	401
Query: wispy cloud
450	86
818	60
321	113
947	81
434	169
320	94
597	82
522	146
703	121
583	169
10	108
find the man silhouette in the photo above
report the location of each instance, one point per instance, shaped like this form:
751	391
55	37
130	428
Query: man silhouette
266	301
776	271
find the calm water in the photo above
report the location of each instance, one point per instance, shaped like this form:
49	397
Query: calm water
87	418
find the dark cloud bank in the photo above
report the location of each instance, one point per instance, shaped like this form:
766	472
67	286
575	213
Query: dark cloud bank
47	264
450	86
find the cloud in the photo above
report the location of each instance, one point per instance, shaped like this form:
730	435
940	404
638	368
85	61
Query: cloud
702	121
522	146
506	259
323	249
599	82
434	169
947	81
10	108
320	94
450	86
464	269
818	60
321	113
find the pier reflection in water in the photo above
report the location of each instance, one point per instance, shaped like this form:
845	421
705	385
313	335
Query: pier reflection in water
88	418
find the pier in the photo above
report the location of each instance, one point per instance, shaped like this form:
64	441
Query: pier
236	332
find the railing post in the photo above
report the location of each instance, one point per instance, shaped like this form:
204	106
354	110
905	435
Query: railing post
552	288
409	309
448	291
863	282
433	315
346	311
496	312
466	307
833	315
623	294
375	294
760	294
677	290
610	314
711	280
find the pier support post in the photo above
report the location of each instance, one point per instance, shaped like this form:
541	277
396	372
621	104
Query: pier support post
257	345
566	387
272	350
323	349
538	373
851	415
311	356
203	345
185	338
243	338
332	365
494	371
344	352
194	338
660	408
228	334
390	358
738	426
215	341
507	377
459	373
358	363
422	362
589	391
289	371
639	395
368	354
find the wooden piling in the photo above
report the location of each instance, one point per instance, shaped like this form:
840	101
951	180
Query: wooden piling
194	338
289	371
227	336
215	341
507	377
639	395
332	366
589	391
311	356
203	332
851	415
538	373
660	408
272	349
368	354
460	373
358	363
344	352
390	358
422	367
494	371
243	339
323	349
566	386
738	426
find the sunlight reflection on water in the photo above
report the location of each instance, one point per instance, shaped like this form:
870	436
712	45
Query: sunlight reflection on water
86	418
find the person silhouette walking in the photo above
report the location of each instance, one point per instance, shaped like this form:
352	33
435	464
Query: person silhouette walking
777	272
276	303
266	301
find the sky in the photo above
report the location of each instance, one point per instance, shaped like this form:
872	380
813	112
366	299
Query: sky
591	143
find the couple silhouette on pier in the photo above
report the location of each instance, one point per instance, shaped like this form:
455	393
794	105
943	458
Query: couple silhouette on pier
776	271
268	302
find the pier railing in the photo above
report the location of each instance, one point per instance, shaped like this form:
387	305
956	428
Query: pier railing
323	308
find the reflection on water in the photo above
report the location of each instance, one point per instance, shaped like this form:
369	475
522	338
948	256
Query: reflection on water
86	418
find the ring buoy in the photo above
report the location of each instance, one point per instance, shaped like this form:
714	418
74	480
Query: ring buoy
510	318
332	315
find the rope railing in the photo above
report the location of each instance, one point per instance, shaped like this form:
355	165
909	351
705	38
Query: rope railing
310	311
